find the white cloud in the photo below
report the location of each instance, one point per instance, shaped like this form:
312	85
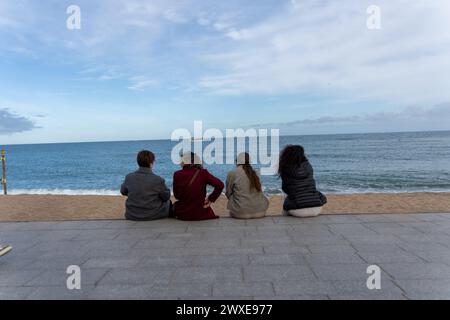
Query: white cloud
142	83
325	47
100	72
203	21
240	47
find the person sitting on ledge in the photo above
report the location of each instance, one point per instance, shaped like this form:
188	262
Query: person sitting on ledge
303	199
148	195
244	191
189	188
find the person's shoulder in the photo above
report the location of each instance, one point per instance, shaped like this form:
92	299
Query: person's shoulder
204	171
158	178
207	175
178	173
232	173
130	175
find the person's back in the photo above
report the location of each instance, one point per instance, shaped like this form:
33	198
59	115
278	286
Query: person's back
148	195
300	188
297	175
189	188
244	191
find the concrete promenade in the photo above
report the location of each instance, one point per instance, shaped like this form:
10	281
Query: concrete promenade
272	258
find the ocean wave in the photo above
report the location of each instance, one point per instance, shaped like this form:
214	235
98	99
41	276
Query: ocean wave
372	190
68	192
268	191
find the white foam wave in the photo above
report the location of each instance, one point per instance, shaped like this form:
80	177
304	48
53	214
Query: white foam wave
69	192
105	192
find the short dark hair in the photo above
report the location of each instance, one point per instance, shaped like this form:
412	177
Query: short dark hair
145	158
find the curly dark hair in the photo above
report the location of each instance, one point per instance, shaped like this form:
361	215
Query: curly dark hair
291	157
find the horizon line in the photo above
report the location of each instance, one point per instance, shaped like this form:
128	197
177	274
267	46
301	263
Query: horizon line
281	135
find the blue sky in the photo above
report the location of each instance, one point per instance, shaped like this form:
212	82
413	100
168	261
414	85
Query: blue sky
139	69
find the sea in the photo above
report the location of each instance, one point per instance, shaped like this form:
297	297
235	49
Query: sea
343	163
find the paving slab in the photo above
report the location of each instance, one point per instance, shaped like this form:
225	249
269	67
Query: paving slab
419	271
333	258
137	276
272	258
278	273
245	289
421	289
59	293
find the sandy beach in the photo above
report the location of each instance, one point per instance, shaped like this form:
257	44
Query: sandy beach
60	207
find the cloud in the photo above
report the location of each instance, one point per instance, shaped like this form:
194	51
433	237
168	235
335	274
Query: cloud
12	123
100	72
434	114
121	35
325	47
130	37
142	83
236	47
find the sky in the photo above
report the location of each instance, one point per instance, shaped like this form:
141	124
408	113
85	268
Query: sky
139	69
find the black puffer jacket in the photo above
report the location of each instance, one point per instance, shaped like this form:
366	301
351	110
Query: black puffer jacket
300	188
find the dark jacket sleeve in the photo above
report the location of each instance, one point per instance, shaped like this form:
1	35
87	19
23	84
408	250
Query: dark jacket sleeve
164	192
216	183
284	185
124	188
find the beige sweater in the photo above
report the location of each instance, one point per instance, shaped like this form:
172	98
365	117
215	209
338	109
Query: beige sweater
242	201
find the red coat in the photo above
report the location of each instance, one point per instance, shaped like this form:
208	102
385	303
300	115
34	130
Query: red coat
191	200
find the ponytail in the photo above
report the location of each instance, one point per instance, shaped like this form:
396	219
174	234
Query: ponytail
243	160
255	183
